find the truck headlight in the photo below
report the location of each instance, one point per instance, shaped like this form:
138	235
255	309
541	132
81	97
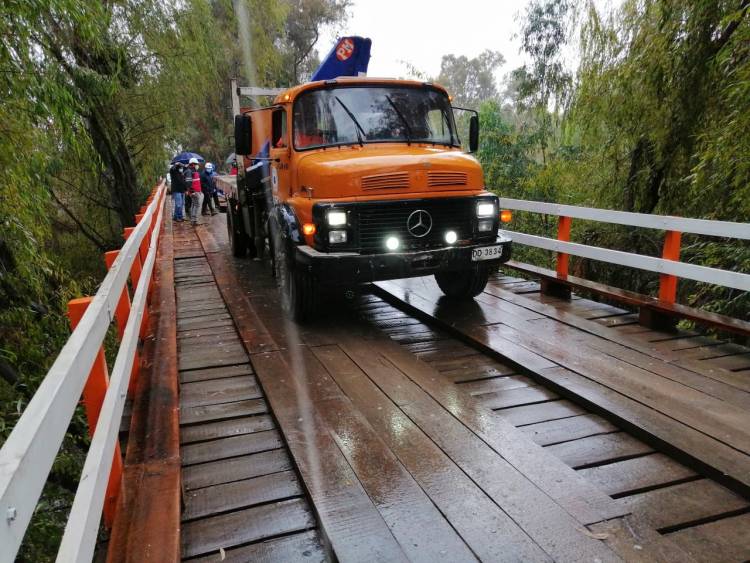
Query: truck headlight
336	237
485	209
336	218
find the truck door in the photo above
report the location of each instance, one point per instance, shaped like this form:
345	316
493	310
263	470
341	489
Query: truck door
280	155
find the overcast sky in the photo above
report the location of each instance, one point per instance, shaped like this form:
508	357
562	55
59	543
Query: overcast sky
422	31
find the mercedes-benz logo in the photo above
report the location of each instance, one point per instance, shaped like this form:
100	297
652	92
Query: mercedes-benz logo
419	223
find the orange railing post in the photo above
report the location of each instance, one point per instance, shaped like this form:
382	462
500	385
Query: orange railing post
93	397
671	251
563	234
553	287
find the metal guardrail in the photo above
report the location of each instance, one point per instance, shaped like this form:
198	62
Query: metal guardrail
27	456
668	266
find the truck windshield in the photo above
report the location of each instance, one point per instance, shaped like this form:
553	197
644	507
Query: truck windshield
357	115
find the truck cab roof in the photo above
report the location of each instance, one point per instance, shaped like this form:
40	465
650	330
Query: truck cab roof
292	93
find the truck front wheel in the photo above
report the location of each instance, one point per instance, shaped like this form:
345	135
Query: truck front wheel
463	285
299	292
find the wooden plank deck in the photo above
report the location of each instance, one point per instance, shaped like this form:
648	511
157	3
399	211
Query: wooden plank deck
700	409
372	435
240	493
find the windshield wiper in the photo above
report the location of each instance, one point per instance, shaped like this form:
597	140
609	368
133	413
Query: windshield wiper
358	127
402	118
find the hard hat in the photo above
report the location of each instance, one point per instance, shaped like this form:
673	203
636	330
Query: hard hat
209	167
194	161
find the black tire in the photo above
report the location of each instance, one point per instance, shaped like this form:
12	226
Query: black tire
237	239
299	292
466	284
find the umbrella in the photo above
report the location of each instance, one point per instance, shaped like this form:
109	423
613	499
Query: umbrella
184	157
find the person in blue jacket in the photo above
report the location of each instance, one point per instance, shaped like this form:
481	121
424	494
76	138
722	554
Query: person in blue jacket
208	185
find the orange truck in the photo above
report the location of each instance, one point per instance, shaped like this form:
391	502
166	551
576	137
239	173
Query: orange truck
355	180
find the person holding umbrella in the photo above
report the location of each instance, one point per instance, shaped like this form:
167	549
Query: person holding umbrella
194	191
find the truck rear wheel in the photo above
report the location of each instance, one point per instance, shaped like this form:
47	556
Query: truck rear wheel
463	285
238	240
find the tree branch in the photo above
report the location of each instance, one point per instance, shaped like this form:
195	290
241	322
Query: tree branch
95	238
731	27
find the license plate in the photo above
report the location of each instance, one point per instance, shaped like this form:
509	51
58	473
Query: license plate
487	253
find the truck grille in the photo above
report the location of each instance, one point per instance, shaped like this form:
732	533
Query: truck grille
379	221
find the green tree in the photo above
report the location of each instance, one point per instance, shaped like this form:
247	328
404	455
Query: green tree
470	81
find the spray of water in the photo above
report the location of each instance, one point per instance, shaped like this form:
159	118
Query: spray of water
244	31
299	378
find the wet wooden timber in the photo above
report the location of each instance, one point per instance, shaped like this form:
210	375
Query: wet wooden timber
376	434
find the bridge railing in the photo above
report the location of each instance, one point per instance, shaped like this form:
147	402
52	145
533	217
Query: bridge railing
669	267
27	456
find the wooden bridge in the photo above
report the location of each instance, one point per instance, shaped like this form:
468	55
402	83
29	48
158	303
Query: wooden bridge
530	424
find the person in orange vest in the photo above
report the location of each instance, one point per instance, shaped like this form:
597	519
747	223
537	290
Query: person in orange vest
194	191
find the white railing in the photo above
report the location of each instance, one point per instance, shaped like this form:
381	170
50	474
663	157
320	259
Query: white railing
668	265
27	456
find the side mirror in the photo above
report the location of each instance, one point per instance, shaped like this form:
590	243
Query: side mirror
474	133
243	135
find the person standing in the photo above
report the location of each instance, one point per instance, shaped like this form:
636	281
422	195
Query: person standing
195	192
212	172
208	186
177	179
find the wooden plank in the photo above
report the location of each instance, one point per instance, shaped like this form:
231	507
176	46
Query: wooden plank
724	540
224	428
490	533
635	540
685	503
202	362
516	397
641	473
540	412
572	428
240	494
208	413
235	469
215	373
243	526
594	450
217	391
303	547
233	446
496	384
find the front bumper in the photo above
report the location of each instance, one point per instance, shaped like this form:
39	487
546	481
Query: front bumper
346	268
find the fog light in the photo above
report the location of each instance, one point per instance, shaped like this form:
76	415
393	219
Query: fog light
451	237
336	218
391	243
336	237
485	226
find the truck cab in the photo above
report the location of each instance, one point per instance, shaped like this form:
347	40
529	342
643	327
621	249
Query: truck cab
357	180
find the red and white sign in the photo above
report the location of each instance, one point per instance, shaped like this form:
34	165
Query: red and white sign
344	49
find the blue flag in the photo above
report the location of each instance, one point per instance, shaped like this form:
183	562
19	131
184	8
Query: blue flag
349	57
